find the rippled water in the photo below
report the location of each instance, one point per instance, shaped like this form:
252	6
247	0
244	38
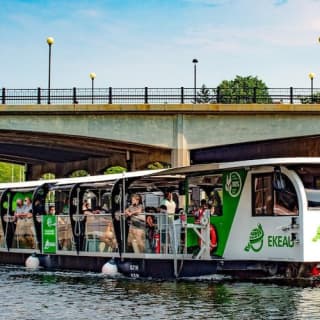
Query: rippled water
63	295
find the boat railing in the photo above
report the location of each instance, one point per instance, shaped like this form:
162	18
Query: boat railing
100	234
157	233
24	234
64	233
146	233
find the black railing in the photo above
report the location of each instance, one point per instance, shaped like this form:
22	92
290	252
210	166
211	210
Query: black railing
159	96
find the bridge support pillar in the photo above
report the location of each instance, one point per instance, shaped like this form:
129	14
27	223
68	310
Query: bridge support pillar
180	154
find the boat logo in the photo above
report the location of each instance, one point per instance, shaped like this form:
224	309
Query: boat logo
233	184
255	239
317	236
50	222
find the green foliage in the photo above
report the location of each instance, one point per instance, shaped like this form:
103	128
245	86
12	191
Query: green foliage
204	95
158	165
243	90
48	176
311	99
79	173
11	172
115	169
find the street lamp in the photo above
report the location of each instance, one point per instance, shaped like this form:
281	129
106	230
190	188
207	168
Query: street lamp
50	42
195	61
92	76
311	76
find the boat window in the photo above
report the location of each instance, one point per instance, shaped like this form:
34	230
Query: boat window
267	201
57	202
208	188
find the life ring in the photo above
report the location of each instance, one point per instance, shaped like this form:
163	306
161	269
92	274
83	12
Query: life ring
213	238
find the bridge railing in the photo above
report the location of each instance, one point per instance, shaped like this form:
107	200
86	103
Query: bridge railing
158	96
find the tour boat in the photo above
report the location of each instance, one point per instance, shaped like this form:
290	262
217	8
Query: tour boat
245	220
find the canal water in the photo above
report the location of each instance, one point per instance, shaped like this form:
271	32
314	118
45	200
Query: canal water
67	295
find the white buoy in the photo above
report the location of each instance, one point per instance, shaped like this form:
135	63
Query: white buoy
32	262
110	268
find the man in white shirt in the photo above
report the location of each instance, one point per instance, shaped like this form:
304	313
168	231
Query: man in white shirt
174	225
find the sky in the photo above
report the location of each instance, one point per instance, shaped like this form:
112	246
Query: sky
138	43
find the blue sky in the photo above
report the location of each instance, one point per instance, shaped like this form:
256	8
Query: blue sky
137	43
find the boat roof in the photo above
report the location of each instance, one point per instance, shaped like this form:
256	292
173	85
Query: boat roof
187	170
80	180
218	167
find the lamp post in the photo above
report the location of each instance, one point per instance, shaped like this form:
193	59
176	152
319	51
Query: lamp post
50	42
311	76
195	61
92	76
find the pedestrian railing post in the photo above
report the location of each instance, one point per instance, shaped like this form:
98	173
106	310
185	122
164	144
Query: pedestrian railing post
145	95
254	99
291	95
182	95
38	95
110	95
3	95
74	95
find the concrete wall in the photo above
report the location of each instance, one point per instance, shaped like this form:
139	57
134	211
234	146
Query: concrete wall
178	127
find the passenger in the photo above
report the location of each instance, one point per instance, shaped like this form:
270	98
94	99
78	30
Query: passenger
174	225
28	205
170	205
65	209
162	227
199	213
25	233
136	206
19	212
86	210
98	210
150	227
38	208
216	204
23	211
136	221
52	210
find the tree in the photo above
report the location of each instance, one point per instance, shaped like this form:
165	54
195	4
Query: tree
243	90
11	172
315	98
204	95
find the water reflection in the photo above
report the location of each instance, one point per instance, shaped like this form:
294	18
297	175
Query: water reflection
62	295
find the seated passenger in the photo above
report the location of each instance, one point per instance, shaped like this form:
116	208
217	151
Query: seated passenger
98	210
86	210
65	209
52	210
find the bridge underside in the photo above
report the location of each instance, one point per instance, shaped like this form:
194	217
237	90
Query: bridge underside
306	146
62	154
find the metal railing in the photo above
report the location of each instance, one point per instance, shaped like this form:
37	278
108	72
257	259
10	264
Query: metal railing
147	95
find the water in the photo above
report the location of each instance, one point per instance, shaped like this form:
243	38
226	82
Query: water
64	295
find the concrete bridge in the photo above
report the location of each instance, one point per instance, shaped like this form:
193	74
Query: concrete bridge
64	138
